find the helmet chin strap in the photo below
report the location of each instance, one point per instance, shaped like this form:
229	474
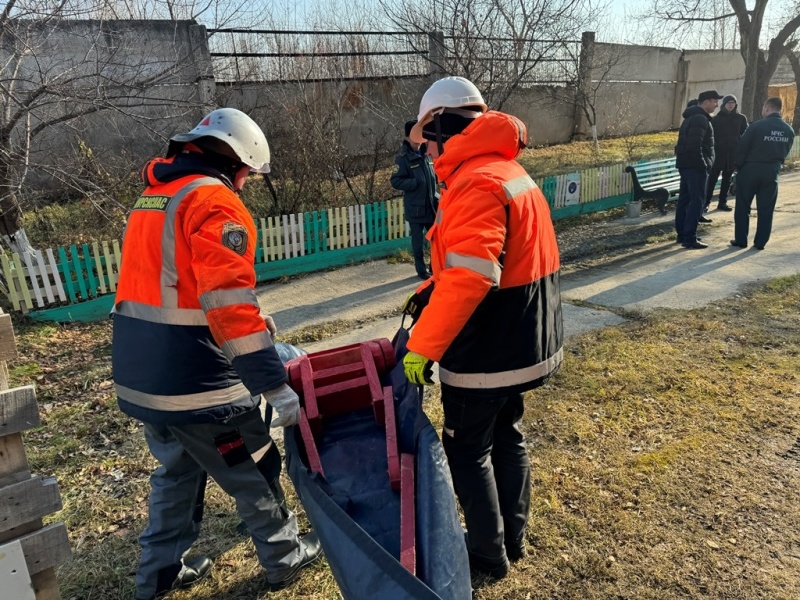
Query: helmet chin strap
438	124
271	189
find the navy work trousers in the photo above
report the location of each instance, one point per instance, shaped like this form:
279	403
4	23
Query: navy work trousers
725	186
418	231
759	180
691	199
490	467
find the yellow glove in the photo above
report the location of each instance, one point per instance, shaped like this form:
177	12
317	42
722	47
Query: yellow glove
418	369
411	305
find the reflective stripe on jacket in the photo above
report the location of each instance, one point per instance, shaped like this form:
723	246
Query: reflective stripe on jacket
491	327
189	343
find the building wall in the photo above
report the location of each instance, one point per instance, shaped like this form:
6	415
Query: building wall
784	72
374	111
545	112
634	107
630	63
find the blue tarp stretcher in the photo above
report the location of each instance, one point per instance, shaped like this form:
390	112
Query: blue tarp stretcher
356	512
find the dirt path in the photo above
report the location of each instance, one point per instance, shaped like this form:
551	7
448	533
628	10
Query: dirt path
609	268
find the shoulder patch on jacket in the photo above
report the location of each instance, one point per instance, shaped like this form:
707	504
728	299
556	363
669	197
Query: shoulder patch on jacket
234	237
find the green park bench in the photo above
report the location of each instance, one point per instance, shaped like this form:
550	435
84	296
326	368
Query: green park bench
657	180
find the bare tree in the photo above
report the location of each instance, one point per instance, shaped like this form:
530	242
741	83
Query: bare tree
332	104
587	75
500	45
75	80
760	64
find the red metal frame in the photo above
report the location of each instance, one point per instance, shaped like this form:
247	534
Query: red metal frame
334	382
408	525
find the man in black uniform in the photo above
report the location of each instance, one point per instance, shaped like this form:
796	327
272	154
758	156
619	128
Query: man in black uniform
413	174
759	157
694	156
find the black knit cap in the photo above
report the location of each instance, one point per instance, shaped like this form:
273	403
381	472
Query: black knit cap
409	125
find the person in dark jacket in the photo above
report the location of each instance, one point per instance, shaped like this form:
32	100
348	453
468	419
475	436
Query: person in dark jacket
759	157
729	125
413	175
694	157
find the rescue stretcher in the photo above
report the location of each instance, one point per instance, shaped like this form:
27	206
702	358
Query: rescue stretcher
372	476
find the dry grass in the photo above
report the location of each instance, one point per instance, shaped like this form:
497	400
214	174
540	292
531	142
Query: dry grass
665	463
566	158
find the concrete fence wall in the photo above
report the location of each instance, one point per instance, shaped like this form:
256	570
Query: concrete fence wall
721	70
118	88
167	69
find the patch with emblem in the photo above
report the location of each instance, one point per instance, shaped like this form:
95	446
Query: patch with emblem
234	236
396	169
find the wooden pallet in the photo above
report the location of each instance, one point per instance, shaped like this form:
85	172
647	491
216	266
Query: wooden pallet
29	551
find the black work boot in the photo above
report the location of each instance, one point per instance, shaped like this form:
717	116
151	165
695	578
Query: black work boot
481	565
310	552
724	206
516	550
181	576
496	568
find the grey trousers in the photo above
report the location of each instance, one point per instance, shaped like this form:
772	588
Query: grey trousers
243	460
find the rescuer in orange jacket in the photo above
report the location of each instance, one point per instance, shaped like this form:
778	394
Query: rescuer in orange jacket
493	315
192	356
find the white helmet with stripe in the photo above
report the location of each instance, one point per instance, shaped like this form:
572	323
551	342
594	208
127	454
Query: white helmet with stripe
244	138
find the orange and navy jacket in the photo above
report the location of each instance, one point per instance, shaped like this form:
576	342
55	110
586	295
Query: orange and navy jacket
493	322
189	344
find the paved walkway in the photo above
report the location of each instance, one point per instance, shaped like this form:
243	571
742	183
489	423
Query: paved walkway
660	275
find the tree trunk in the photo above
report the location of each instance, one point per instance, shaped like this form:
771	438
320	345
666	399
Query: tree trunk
749	87
762	85
585	69
750	23
19	242
794	60
10	211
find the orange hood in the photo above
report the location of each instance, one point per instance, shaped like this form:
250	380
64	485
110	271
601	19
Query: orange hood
492	133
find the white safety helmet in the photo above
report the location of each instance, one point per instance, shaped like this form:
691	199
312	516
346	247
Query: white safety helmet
238	131
450	92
